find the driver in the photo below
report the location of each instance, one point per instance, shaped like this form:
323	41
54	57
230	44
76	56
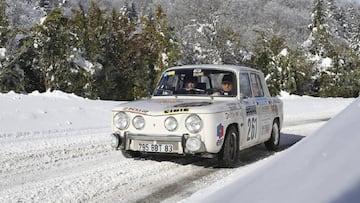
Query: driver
191	83
227	85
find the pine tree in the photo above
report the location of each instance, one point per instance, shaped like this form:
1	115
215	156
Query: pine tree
229	47
159	50
4	23
336	20
341	80
318	42
354	29
203	33
323	44
268	58
11	76
53	46
115	79
299	74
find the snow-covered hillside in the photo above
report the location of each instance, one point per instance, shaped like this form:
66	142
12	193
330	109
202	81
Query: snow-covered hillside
54	147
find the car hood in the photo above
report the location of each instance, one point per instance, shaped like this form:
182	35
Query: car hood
177	106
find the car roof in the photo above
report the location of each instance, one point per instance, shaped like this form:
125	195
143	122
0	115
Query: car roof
218	67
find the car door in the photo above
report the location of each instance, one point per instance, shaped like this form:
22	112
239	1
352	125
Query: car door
250	132
263	107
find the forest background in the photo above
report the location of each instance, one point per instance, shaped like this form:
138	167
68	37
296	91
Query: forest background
116	50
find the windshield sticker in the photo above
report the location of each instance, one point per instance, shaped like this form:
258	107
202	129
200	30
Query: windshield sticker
177	111
170	73
135	110
197	72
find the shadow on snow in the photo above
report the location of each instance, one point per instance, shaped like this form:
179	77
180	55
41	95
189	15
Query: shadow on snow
246	156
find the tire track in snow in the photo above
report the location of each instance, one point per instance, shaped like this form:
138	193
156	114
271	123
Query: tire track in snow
65	167
81	166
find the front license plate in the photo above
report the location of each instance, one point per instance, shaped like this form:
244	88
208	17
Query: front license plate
168	148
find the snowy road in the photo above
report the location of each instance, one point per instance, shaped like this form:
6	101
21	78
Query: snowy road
73	162
80	166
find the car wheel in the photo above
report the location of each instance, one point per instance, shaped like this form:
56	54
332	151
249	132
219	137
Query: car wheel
130	154
228	155
274	141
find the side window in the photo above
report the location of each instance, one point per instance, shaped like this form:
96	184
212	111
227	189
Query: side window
256	85
171	83
245	89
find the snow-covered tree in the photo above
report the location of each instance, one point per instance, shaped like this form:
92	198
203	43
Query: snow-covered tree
202	31
268	56
11	76
131	49
158	50
354	29
4	23
328	48
54	48
107	45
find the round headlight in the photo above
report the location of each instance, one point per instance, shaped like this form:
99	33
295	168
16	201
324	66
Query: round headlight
193	123
171	123
193	144
138	122
121	120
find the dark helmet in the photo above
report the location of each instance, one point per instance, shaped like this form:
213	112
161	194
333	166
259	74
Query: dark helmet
191	79
227	78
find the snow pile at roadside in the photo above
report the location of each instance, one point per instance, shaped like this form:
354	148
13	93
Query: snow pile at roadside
37	112
323	167
310	108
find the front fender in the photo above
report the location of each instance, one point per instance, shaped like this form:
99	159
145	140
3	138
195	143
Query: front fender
215	127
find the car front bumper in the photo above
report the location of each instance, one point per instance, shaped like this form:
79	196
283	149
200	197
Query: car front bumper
171	144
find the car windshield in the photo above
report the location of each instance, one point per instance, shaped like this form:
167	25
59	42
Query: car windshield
197	81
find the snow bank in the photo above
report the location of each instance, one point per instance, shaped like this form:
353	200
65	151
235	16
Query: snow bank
37	112
323	167
310	108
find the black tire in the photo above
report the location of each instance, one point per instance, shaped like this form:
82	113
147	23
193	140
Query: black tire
228	156
273	143
130	154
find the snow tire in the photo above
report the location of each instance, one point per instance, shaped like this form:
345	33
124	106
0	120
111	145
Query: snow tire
228	156
273	143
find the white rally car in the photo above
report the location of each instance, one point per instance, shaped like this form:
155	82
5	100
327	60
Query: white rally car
207	110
